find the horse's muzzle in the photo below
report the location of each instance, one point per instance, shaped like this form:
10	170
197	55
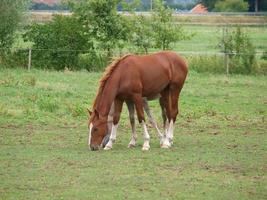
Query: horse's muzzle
94	148
102	145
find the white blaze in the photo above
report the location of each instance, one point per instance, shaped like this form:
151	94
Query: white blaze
89	135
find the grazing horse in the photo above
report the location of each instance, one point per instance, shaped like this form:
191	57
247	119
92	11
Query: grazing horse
131	78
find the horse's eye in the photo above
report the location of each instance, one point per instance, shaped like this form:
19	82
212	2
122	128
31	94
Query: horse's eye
95	129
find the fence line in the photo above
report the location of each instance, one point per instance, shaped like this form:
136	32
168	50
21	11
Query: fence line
137	52
214	53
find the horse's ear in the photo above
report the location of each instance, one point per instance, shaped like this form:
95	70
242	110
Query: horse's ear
89	111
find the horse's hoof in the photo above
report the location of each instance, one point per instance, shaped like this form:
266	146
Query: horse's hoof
107	148
165	146
131	146
145	148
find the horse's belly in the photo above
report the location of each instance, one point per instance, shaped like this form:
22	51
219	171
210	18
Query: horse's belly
152	88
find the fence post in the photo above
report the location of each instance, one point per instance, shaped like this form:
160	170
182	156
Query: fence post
226	56
226	63
30	59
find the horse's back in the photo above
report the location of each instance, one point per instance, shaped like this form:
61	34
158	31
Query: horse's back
152	73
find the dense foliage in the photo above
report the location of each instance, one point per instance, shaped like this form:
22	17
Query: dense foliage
234	5
231	6
57	42
10	16
96	32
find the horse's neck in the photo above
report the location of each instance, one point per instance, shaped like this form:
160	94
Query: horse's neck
108	95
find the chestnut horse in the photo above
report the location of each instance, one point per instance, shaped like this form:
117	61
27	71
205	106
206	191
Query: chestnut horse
130	78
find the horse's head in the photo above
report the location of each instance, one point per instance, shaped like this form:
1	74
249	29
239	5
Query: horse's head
98	131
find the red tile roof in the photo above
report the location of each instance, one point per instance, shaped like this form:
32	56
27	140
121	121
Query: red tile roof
48	2
199	8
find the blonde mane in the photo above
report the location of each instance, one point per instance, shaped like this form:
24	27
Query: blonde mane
108	71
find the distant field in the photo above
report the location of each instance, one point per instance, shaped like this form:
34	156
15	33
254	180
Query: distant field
219	152
207	32
186	18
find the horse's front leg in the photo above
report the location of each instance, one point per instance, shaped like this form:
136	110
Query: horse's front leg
130	106
116	117
138	102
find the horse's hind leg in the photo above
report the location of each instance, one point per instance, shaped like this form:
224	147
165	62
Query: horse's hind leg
163	114
172	114
130	106
138	102
151	119
166	104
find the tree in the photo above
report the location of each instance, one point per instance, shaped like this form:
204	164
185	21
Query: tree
142	33
165	30
231	6
10	17
106	29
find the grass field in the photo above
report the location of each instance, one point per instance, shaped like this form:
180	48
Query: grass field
219	149
206	38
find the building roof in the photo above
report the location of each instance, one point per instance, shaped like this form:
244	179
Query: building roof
47	2
199	8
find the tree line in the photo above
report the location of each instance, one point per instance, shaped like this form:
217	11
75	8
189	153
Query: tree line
96	32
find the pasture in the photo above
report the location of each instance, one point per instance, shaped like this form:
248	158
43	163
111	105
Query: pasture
213	34
219	149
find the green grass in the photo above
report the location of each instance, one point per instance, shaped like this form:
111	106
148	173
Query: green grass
206	38
219	149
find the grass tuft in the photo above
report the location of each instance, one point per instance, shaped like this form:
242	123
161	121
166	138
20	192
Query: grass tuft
49	104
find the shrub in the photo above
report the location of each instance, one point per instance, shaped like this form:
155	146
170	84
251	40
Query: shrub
261	67
231	6
92	61
58	43
264	55
206	63
238	46
10	16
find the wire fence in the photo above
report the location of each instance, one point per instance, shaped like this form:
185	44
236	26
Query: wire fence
29	53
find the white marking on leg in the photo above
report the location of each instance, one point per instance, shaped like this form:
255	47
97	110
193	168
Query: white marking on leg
112	137
169	136
132	142
146	145
170	132
166	127
89	134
